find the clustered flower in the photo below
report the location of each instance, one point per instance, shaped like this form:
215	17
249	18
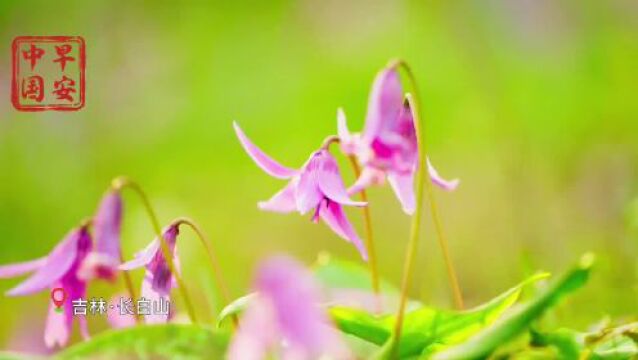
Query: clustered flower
387	148
285	317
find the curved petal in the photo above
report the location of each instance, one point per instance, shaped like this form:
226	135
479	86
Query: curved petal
333	215
107	225
257	332
448	185
331	184
143	257
265	162
58	326
307	193
17	269
384	103
403	186
156	295
282	202
57	264
369	176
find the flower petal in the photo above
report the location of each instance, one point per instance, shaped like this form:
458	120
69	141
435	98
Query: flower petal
333	215
369	176
256	334
143	257
107	225
330	182
155	294
294	296
448	185
307	194
265	162
58	326
57	264
17	269
403	186
282	202
384	103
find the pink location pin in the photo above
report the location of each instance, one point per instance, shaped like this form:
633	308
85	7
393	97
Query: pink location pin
58	295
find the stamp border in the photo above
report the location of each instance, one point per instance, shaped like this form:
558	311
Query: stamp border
14	73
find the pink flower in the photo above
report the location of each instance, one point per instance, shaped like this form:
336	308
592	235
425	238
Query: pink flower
103	261
388	146
158	280
316	186
285	319
57	270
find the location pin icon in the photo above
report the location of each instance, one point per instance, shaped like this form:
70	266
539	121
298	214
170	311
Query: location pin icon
58	295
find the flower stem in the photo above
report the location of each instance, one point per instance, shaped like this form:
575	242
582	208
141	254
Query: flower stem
421	184
222	287
372	257
372	261
123	182
442	239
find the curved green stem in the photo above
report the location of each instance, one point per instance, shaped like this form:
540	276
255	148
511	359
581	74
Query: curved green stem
123	182
421	184
221	283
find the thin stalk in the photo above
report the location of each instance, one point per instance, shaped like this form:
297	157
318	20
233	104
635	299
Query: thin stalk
372	257
123	182
419	125
413	241
220	281
421	184
128	283
367	219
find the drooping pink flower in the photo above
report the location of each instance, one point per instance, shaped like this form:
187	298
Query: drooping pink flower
285	318
317	186
57	270
103	261
388	146
158	280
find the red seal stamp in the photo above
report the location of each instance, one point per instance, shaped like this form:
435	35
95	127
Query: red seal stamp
48	73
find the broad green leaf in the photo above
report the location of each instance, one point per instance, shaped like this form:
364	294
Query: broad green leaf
485	342
427	327
171	341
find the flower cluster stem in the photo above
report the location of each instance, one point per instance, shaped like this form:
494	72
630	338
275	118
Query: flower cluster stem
220	281
122	182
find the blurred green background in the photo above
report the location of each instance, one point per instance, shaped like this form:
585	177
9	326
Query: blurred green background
532	104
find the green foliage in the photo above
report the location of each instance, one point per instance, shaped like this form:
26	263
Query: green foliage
169	341
516	322
427	328
608	343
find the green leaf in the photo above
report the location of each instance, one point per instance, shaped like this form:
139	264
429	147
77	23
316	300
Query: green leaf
516	322
170	341
426	327
235	308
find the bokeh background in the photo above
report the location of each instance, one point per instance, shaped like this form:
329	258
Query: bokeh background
531	103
